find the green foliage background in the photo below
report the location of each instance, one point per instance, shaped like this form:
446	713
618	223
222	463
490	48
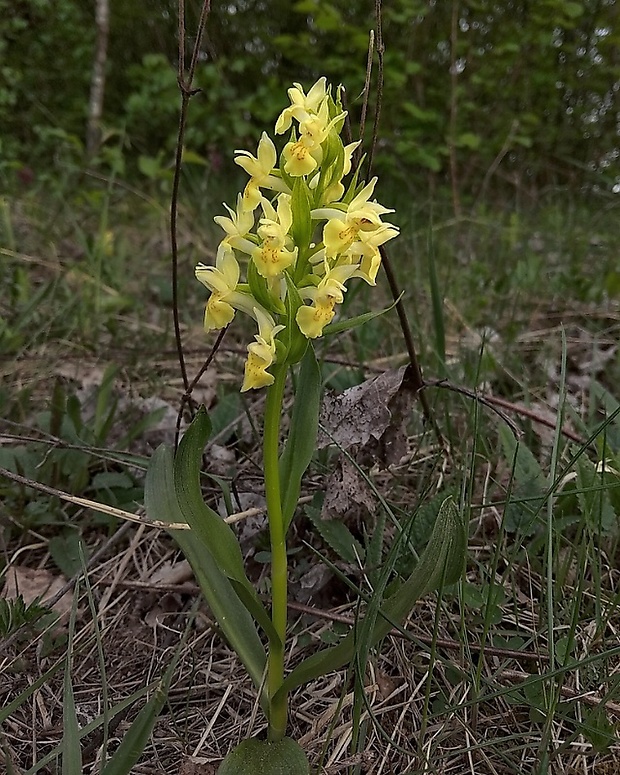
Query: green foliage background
468	83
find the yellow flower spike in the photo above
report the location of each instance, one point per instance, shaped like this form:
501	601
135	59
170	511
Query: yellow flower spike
222	280
260	169
261	352
302	105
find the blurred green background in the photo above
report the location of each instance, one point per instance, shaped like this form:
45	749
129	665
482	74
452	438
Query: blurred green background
490	97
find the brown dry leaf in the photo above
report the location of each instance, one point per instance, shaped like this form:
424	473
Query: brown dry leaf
311	583
195	766
370	416
346	491
33	584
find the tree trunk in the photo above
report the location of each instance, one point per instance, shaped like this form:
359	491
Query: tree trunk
97	83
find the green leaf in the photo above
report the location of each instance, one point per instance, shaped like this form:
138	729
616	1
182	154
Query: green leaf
105	408
572	10
336	535
295	342
358	320
231	614
468	140
260	291
262	757
65	551
191	157
441	563
531	484
597	729
215	534
301	441
594	502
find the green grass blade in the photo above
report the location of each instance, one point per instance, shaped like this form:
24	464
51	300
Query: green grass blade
137	736
105	698
358	320
9	709
437	303
441	563
71	752
92	726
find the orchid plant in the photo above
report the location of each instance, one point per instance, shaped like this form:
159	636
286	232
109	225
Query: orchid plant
303	227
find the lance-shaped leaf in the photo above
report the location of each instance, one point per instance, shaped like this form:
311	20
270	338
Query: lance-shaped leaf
295	342
208	526
441	563
231	615
358	320
301	442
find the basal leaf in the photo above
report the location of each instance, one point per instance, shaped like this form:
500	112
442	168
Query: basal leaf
215	534
231	614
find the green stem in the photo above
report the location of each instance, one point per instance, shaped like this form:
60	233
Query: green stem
271	448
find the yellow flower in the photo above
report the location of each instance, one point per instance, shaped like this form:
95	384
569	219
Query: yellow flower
300	159
261	352
343	228
365	251
302	105
338	236
222	280
239	223
305	154
329	292
260	169
274	255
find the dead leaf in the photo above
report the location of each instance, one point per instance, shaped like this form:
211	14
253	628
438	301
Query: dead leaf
192	765
346	492
370	416
33	584
311	583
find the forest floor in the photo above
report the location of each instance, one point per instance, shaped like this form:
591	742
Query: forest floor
515	311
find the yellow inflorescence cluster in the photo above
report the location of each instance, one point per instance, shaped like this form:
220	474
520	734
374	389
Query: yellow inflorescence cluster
302	242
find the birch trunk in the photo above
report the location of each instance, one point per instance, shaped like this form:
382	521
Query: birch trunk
97	83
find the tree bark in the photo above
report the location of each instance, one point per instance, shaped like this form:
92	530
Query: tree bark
97	83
